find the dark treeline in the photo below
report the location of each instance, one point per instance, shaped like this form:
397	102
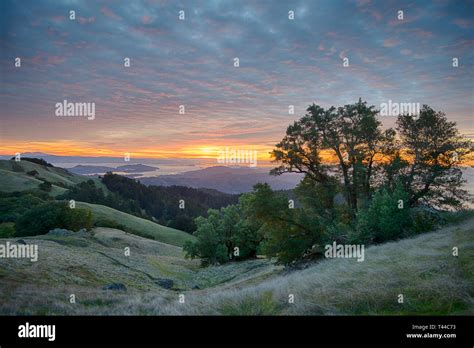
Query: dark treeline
172	206
88	192
39	161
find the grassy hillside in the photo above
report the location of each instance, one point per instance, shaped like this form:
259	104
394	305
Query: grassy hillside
14	177
423	269
84	264
144	227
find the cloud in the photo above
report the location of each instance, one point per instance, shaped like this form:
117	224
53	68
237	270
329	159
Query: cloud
390	42
406	52
464	23
190	63
109	13
85	20
146	19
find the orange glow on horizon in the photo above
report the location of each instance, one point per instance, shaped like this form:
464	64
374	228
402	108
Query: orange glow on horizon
205	151
68	148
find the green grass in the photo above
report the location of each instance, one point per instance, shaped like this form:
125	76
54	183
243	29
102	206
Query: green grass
13	177
422	268
145	228
263	304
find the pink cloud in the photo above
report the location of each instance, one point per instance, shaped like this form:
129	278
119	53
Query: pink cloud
463	23
362	2
45	60
376	15
58	18
409	17
55	59
85	20
109	13
390	42
418	32
146	19
373	13
343	54
406	52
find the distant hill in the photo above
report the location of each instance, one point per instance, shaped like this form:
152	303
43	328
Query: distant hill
26	175
129	168
226	179
88	170
132	168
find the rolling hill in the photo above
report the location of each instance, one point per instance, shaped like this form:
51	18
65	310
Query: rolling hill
93	266
226	179
92	170
149	281
143	227
14	176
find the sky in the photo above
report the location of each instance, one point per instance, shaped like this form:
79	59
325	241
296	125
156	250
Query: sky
190	62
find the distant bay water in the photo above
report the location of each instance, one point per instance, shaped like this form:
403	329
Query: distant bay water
170	166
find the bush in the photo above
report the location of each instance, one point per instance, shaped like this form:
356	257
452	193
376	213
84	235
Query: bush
32	173
13	205
7	230
220	234
386	218
45	186
424	219
209	245
45	217
17	168
289	234
77	219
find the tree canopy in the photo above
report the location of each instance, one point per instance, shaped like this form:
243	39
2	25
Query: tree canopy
362	184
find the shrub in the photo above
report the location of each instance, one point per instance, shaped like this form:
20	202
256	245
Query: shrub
45	186
7	230
289	234
77	219
210	244
32	173
424	219
220	233
386	218
16	167
13	205
45	217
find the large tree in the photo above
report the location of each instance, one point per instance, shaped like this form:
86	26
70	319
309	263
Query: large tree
434	151
425	157
350	135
